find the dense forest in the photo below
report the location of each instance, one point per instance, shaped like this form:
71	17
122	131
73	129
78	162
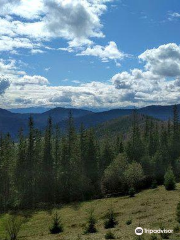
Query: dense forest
45	169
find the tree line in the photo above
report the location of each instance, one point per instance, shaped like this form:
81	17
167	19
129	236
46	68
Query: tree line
50	167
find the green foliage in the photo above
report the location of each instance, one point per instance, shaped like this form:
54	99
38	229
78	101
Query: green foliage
43	169
57	226
129	222
111	221
164	235
176	229
178	212
13	226
132	192
134	175
91	223
169	180
109	235
153	237
113	181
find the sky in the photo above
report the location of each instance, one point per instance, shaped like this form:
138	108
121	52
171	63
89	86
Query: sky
93	54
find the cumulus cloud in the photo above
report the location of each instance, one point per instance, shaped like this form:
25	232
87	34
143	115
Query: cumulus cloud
32	80
76	21
158	82
163	61
139	87
109	52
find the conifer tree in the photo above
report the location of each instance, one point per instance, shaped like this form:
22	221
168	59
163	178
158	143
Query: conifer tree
169	180
20	173
47	166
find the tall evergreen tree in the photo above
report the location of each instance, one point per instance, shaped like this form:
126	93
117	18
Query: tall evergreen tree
47	166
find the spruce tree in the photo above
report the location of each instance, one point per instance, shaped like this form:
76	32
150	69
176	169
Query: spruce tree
47	166
169	180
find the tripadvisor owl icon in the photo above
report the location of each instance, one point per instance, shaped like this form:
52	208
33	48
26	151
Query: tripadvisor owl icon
138	231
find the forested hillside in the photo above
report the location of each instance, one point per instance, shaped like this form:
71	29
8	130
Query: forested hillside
11	122
52	168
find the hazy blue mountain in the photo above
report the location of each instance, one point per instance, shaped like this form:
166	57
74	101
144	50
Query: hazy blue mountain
29	110
12	122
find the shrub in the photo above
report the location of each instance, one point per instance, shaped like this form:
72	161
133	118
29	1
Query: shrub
113	181
129	222
153	237
111	219
134	175
178	212
57	226
91	224
169	180
176	229
164	235
13	226
132	192
109	235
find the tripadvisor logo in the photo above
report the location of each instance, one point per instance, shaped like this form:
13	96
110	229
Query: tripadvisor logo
138	231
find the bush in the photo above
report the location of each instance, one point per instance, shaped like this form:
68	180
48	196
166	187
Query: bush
134	175
113	181
164	235
169	180
111	219
129	222
178	212
109	235
132	192
56	225
153	237
176	229
13	226
91	225
154	184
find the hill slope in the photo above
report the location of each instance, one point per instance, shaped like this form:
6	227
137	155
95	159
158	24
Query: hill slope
149	208
121	125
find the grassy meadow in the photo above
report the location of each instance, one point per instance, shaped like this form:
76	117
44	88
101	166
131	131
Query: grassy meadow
149	209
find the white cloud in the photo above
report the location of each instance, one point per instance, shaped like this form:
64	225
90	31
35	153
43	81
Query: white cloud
173	16
163	61
32	80
158	83
77	21
109	52
138	87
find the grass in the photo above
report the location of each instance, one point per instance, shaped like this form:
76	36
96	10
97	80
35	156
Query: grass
148	209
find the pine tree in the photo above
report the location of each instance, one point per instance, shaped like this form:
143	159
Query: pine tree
6	172
169	180
20	172
30	167
57	165
47	166
107	156
91	164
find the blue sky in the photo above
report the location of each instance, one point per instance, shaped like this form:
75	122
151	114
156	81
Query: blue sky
89	53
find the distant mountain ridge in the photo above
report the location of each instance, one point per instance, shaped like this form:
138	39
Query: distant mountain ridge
12	122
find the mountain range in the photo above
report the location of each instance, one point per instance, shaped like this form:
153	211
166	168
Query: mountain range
11	122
